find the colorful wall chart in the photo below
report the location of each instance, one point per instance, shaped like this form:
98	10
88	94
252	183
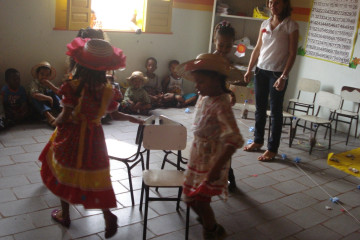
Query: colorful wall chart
332	30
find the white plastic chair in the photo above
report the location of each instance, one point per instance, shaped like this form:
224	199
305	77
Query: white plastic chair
348	94
302	104
324	100
169	135
129	154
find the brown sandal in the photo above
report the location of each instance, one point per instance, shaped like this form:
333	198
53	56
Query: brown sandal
253	147
267	156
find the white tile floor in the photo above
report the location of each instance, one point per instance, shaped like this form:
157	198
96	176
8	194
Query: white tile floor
274	200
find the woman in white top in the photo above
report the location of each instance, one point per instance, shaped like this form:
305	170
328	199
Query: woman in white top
274	54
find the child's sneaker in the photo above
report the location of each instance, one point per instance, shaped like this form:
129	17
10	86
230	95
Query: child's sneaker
218	234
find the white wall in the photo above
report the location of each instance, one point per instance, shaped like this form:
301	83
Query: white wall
27	37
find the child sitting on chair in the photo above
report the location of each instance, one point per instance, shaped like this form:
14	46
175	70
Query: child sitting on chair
43	93
14	98
173	89
136	99
153	85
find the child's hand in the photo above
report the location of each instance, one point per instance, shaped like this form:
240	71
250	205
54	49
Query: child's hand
51	101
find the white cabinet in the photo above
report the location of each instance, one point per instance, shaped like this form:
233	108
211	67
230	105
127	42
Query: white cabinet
240	14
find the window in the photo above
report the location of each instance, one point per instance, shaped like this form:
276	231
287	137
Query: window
120	15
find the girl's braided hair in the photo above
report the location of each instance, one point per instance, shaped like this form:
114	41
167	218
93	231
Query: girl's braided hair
224	28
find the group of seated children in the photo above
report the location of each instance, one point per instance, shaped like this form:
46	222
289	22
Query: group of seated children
18	105
145	92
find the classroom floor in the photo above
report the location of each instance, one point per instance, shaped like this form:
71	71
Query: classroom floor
274	200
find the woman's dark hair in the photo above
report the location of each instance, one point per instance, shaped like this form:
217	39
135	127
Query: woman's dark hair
87	33
213	74
224	28
173	62
286	11
91	77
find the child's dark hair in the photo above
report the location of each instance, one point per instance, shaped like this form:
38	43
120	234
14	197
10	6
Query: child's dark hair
42	68
173	62
150	58
222	78
224	28
10	71
92	77
286	12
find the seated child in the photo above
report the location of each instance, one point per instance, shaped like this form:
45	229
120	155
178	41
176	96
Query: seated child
43	93
173	89
136	99
118	97
14	98
153	86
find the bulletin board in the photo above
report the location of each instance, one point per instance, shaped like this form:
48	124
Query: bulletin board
332	31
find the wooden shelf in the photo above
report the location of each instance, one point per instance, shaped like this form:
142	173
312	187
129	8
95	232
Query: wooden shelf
240	17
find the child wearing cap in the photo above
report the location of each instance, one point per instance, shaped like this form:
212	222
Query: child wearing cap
43	94
136	99
75	164
14	98
216	138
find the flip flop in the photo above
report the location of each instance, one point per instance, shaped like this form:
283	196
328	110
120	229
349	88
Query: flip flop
252	147
63	222
267	156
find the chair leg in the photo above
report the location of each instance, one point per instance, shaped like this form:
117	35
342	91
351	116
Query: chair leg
348	134
187	222
146	211
356	128
313	141
330	136
178	199
131	186
141	196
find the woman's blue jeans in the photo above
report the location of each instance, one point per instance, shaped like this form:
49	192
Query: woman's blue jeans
43	106
264	91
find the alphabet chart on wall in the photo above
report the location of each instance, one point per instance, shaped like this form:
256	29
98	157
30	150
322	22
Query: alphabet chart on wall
332	30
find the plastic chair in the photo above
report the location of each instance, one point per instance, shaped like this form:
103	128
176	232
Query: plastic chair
350	94
300	104
169	135
129	154
325	100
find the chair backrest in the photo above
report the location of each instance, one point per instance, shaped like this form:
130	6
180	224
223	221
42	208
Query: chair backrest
139	135
165	137
328	100
350	94
309	85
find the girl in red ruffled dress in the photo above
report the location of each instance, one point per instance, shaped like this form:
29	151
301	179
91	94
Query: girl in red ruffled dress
75	163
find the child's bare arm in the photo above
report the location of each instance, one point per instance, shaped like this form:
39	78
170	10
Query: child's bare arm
42	97
125	117
50	85
64	115
214	173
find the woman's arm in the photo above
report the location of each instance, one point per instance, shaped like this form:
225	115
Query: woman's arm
293	42
254	57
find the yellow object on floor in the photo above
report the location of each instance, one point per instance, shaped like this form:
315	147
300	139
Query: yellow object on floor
348	162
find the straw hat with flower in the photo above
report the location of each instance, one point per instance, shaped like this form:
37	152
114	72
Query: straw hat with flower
43	64
210	62
137	74
96	54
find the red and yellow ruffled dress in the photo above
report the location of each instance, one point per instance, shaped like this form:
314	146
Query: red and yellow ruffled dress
214	128
75	163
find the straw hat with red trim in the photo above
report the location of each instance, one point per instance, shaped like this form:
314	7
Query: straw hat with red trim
137	74
96	54
43	64
210	62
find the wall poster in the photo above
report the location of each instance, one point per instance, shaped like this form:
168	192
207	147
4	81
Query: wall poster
332	30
